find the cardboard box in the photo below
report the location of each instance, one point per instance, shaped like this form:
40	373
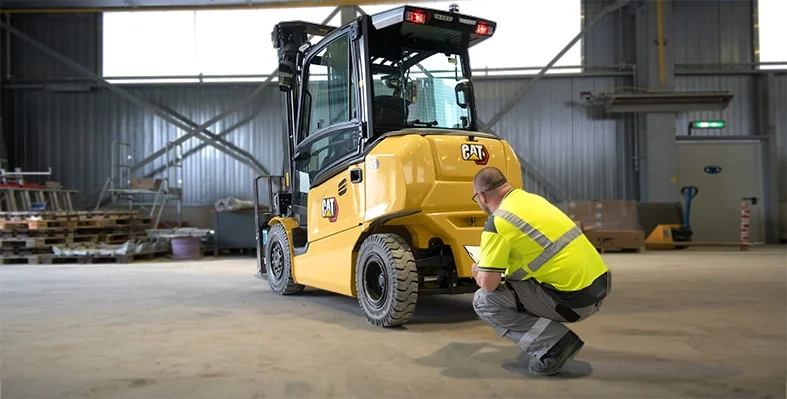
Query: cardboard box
616	240
608	215
145	184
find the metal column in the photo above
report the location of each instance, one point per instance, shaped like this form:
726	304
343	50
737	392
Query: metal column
655	71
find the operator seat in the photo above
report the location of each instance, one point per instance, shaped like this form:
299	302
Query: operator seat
389	111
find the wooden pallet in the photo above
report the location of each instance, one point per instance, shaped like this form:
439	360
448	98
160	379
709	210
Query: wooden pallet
90	259
80	238
20	260
35	215
41	224
622	250
10	234
32	242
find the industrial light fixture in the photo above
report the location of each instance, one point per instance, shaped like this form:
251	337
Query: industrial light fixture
661	101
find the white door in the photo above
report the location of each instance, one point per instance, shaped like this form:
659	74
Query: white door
724	173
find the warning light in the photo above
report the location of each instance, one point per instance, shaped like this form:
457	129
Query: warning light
483	29
708	124
415	17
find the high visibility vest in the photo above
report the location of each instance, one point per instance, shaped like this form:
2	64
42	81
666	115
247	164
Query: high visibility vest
528	237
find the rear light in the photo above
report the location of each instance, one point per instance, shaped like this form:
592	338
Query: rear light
416	17
483	29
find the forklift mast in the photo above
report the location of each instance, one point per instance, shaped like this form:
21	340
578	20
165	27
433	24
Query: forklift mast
291	39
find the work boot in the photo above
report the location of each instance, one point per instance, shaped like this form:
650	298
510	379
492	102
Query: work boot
553	361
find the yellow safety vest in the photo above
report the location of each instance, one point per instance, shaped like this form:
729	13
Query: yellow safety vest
528	237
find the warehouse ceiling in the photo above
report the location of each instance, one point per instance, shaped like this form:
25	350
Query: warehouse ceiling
37	6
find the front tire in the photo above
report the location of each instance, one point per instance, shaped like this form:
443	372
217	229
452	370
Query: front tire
386	280
279	263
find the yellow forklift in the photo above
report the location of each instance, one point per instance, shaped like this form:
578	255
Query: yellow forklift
376	200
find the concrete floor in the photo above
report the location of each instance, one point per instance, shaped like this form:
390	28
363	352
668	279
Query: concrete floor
693	323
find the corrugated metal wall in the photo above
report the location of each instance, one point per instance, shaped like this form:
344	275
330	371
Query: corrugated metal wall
741	115
77	36
704	32
712	31
604	44
584	157
780	109
584	154
73	133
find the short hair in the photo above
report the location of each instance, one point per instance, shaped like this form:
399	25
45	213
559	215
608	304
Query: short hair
489	178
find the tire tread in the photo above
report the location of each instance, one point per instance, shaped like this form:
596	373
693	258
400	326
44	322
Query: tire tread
289	287
394	251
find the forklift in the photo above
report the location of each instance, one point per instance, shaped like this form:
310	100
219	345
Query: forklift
376	199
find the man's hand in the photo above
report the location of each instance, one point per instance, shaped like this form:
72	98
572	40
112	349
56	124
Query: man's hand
488	281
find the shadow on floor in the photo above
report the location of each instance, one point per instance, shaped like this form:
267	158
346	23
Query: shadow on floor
482	360
432	312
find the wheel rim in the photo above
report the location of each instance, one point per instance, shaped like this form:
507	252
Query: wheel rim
375	283
277	261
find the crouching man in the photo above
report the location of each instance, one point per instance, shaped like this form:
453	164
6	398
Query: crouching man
551	273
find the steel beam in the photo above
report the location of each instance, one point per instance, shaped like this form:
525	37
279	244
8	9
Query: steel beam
215	138
202	145
521	93
348	14
127	95
221	116
240	5
199	131
192	131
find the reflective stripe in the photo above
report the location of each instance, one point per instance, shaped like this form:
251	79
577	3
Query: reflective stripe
554	248
524	227
550	248
533	333
517	275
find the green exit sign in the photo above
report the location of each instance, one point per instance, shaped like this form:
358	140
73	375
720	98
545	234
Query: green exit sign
708	124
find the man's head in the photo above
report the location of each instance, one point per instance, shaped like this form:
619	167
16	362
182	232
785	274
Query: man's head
489	188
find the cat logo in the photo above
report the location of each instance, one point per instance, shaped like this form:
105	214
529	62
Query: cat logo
330	209
476	153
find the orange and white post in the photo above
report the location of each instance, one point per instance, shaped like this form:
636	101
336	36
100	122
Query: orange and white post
745	226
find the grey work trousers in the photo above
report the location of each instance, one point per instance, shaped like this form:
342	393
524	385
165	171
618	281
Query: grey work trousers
536	331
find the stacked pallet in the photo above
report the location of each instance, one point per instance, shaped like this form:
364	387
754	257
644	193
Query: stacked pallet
29	237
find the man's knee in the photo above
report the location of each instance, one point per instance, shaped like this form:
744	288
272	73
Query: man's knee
487	304
479	300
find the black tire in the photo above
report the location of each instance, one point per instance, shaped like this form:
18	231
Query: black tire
278	262
386	280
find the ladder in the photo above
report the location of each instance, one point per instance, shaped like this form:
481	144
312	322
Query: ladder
169	189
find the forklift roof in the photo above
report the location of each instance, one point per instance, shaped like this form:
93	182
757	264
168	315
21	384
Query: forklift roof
433	26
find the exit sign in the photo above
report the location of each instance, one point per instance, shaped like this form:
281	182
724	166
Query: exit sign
707	125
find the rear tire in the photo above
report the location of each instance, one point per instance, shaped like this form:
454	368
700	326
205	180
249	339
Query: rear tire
278	262
386	280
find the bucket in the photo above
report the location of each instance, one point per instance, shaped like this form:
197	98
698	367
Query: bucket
186	248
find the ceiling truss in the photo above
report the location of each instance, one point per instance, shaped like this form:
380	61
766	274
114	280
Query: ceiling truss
90	6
